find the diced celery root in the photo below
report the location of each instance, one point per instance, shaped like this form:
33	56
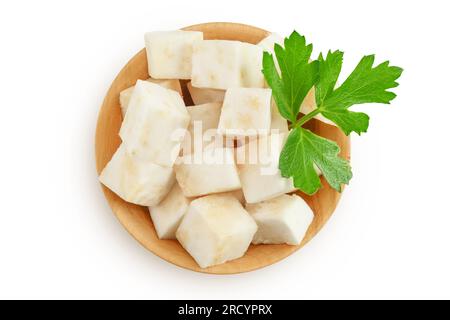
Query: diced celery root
169	53
167	215
136	181
223	64
216	229
260	178
284	219
155	124
205	117
125	95
251	66
215	174
246	112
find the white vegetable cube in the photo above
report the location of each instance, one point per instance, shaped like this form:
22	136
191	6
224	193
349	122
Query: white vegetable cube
216	64
155	124
204	117
251	66
246	112
169	53
125	95
216	229
202	95
258	186
137	181
208	114
212	171
167	215
284	219
258	169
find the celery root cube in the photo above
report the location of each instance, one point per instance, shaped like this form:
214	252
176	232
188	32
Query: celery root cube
125	95
259	187
216	64
169	53
155	124
204	117
208	114
216	229
215	172
136	181
284	219
167	215
259	174
251	66
223	64
258	168
246	112
202	95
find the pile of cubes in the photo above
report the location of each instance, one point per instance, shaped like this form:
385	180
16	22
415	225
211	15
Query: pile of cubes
215	209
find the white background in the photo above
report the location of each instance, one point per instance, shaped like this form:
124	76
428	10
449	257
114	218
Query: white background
389	238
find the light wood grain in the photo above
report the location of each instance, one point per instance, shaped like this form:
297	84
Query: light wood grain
137	220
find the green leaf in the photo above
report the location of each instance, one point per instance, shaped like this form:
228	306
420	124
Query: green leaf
302	150
275	82
347	120
297	77
292	77
365	84
329	70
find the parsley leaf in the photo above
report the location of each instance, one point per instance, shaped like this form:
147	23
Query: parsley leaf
364	85
297	77
329	70
302	150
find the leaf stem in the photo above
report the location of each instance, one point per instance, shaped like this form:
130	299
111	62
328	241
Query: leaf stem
306	118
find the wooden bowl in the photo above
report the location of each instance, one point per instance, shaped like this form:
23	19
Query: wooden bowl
136	219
